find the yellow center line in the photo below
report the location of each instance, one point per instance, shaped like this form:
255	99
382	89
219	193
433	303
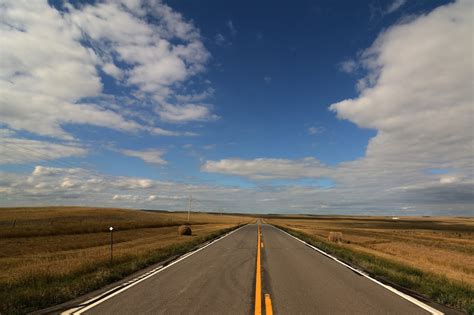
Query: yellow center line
268	305
258	279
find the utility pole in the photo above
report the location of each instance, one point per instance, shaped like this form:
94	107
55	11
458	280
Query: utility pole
190	205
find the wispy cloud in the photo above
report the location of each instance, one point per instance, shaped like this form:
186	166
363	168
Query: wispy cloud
314	130
15	150
153	156
265	168
348	66
220	39
185	113
232	29
395	5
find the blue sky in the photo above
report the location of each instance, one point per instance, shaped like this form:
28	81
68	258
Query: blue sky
268	106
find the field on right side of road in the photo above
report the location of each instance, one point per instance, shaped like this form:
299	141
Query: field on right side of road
433	256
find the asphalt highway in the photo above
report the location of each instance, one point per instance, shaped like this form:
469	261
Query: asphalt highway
302	281
222	279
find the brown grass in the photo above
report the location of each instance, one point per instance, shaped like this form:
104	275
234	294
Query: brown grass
57	242
440	245
335	237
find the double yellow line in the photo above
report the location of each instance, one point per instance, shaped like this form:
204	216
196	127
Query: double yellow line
258	281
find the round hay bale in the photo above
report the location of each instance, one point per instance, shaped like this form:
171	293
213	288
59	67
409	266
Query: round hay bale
335	237
185	230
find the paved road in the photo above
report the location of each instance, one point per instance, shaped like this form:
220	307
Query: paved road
220	279
217	280
302	281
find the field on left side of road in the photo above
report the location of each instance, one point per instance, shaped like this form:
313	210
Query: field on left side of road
52	254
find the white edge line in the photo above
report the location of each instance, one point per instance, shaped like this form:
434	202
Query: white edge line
401	294
137	280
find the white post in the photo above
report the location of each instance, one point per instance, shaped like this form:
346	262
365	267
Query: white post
111	229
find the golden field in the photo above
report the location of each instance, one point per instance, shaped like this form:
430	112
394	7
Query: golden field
65	245
440	245
430	256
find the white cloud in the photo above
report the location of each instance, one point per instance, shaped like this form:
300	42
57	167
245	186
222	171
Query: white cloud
196	97
112	70
125	197
185	113
263	168
314	130
449	179
53	171
24	151
133	183
41	86
50	61
77	186
395	5
348	66
69	183
418	95
421	102
153	156
220	39
267	79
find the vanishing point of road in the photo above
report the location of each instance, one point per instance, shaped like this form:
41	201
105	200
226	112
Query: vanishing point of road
257	269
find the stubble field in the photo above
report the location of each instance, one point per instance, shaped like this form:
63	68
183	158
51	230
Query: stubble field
53	254
433	256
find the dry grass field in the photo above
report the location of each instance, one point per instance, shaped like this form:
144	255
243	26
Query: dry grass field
49	255
437	247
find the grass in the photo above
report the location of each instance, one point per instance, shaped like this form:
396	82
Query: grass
439	288
52	263
440	245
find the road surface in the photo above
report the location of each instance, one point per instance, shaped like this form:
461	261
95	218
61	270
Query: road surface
221	279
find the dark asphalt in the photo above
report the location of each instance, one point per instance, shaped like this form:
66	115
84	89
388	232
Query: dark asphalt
220	279
217	280
302	281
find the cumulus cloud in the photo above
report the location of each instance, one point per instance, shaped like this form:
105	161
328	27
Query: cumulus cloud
417	94
421	100
53	171
152	156
52	58
81	187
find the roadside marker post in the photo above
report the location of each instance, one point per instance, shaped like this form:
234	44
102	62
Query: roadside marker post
111	229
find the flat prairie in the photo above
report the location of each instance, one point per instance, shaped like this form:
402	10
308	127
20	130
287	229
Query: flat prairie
439	245
52	254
